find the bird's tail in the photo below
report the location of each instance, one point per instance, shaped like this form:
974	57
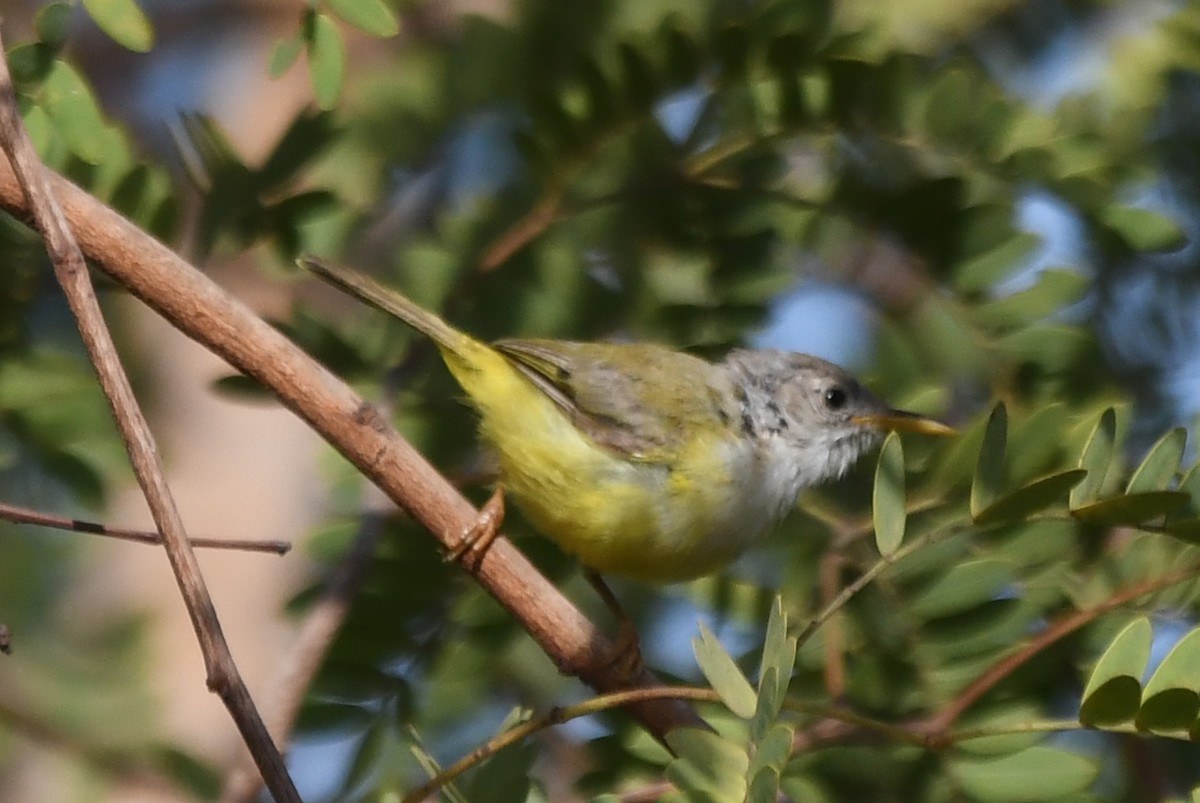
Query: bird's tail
367	289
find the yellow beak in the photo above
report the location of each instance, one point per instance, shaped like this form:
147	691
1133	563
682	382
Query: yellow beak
902	421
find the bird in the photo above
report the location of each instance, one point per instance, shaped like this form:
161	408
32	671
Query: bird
642	461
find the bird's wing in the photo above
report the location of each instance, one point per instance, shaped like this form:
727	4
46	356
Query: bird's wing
639	400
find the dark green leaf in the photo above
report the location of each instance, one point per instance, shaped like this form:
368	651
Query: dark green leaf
707	764
123	21
889	498
1171	700
53	24
1033	775
1053	347
1096	459
1114	688
963	587
1131	509
1032	498
989	470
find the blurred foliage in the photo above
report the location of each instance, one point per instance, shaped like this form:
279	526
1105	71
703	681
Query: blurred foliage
670	171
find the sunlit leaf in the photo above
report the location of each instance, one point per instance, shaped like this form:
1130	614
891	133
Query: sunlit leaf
369	16
1096	458
1161	464
123	21
889	498
723	674
1114	688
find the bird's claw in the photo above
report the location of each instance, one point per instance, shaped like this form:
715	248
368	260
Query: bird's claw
477	539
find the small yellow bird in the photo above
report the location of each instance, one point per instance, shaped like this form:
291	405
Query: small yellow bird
647	462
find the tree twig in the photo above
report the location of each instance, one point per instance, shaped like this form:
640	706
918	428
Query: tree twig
22	515
72	275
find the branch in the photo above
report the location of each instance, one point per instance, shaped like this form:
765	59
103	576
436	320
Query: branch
23	515
204	312
72	275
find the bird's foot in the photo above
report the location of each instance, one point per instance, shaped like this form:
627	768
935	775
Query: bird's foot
476	539
625	660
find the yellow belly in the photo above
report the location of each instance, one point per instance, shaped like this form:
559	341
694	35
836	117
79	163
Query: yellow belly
650	521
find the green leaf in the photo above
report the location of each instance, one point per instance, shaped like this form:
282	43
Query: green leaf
983	271
888	500
1171	700
764	786
326	61
1131	509
123	21
1114	689
1033	775
779	650
773	748
989	470
707	764
723	674
1032	498
1055	347
1096	459
53	23
1055	289
1158	470
73	109
284	55
369	16
1144	230
963	587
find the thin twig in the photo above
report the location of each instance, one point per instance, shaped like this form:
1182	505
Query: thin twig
22	515
72	275
937	726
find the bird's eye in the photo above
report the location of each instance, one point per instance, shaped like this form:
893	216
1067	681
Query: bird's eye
835	398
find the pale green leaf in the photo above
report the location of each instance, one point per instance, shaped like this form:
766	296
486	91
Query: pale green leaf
1143	229
1033	775
1114	689
74	112
889	498
723	674
1096	459
326	61
1055	289
284	55
983	271
989	469
1158	469
369	16
123	21
779	649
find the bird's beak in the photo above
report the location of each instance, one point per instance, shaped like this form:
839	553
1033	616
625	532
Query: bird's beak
902	421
